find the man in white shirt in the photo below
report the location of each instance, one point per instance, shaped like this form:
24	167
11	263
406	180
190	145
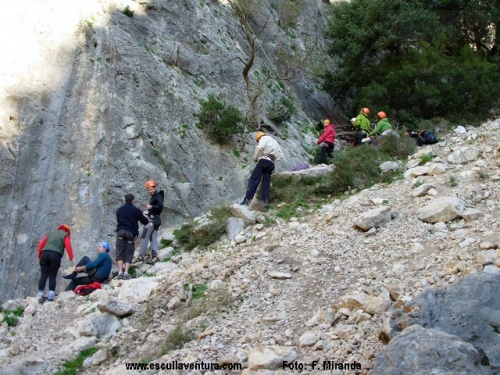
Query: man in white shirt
266	153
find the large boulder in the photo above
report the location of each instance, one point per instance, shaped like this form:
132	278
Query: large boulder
442	209
469	310
421	351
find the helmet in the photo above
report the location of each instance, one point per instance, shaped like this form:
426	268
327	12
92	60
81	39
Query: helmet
150	184
65	228
326	121
381	114
353	120
366	111
106	246
259	135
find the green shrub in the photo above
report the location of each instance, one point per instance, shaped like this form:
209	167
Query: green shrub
72	367
11	317
218	119
357	167
177	338
398	147
281	110
128	12
190	236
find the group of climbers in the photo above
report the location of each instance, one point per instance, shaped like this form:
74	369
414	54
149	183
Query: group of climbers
51	247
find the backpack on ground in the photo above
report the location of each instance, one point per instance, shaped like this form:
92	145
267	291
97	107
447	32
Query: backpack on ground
84	290
427	137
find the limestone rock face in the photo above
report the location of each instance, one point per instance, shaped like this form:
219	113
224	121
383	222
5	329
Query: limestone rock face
98	102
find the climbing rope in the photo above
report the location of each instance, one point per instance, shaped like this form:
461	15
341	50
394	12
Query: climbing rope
8	224
109	133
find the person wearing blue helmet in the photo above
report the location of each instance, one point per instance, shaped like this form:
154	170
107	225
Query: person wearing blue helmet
96	270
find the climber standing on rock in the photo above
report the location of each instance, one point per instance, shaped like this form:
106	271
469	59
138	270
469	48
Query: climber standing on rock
266	153
50	252
128	216
150	231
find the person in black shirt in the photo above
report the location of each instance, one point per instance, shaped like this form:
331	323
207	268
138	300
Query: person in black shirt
150	232
128	217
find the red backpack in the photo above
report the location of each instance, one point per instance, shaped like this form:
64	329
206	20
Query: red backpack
83	290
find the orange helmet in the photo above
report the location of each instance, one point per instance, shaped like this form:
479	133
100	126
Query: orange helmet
259	135
366	111
65	228
150	184
326	121
381	114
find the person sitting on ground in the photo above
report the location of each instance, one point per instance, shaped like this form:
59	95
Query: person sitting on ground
96	270
362	125
327	141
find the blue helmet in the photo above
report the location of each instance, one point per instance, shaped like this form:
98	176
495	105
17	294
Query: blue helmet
106	246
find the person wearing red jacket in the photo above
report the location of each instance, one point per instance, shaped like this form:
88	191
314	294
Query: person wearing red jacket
327	141
50	252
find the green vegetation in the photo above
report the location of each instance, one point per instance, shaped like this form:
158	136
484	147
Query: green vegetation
72	367
218	119
418	183
11	317
425	158
281	110
128	12
177	338
415	60
482	175
191	234
453	181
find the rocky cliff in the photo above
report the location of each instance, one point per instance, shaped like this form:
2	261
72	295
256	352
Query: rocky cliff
396	279
100	96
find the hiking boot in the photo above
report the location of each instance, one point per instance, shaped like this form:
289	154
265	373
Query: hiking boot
245	202
120	276
41	299
71	276
155	260
126	276
50	300
140	258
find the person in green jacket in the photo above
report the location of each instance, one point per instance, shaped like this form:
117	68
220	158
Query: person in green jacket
383	125
362	125
382	129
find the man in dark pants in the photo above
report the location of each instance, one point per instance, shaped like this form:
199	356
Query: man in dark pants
96	270
128	217
266	153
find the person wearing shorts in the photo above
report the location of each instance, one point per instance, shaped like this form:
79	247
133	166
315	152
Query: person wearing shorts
128	218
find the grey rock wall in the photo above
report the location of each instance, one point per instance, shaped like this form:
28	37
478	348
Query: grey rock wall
108	103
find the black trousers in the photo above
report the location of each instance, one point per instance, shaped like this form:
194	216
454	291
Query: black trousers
82	280
326	149
262	171
50	261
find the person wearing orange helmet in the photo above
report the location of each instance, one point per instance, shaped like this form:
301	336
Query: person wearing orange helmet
50	251
362	125
382	129
150	231
266	153
128	217
327	141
